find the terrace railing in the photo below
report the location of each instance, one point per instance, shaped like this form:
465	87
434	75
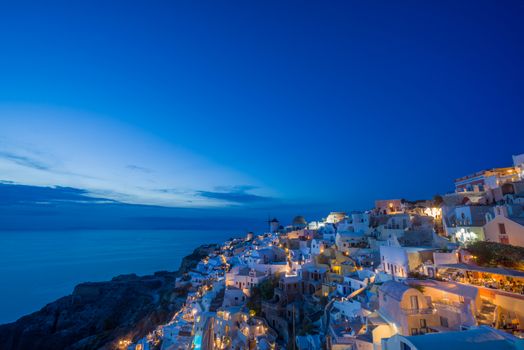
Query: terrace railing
420	311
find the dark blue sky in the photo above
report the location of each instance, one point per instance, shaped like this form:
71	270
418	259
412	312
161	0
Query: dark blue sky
263	104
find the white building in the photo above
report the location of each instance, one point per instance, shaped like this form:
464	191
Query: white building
355	282
518	163
335	217
399	261
355	222
317	246
349	308
328	232
480	338
233	296
466	223
245	278
347	240
504	228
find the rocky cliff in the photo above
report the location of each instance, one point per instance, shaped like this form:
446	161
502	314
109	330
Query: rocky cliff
100	314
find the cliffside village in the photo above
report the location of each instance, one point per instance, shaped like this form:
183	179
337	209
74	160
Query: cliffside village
397	277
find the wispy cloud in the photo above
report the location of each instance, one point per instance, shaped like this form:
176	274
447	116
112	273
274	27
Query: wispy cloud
63	149
101	190
235	194
24	160
35	161
172	191
139	168
13	194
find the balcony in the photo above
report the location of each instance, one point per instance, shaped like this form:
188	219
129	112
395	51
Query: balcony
423	311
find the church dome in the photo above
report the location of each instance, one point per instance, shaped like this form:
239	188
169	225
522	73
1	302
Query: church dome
299	221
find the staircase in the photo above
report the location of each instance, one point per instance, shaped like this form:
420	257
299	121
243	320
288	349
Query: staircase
488	313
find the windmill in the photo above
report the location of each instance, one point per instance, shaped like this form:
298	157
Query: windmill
272	224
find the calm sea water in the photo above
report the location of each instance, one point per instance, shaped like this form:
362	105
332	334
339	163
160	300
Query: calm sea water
39	267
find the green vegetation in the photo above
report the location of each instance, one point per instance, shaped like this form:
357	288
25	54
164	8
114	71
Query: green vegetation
262	292
254	303
267	288
497	254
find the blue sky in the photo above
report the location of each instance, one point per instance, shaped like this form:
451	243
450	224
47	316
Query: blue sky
266	106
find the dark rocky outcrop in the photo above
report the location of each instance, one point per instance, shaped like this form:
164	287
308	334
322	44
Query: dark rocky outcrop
98	314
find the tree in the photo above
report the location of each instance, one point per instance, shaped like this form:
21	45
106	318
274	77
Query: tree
438	200
254	302
497	254
267	288
263	292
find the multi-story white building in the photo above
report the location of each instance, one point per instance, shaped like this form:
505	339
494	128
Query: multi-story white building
399	261
505	227
406	308
477	338
466	222
486	179
389	206
244	278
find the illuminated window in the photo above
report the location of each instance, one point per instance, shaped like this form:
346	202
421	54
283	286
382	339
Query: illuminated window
414	302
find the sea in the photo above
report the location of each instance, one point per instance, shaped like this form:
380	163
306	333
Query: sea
38	267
